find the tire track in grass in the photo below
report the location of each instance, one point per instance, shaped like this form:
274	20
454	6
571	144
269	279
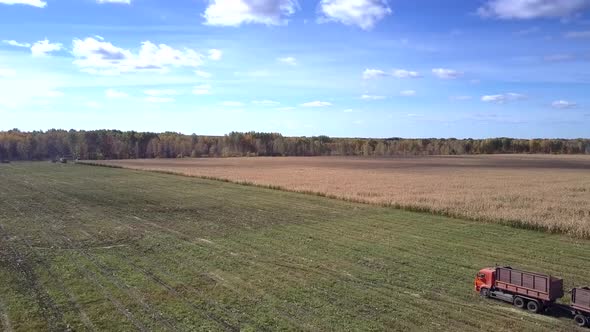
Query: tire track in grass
120	307
188	240
47	307
227	326
6	324
71	298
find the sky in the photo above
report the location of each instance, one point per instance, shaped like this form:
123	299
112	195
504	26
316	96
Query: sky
343	68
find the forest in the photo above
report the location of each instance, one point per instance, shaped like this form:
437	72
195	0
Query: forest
115	144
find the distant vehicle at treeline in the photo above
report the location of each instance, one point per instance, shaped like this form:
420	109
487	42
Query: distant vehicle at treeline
114	144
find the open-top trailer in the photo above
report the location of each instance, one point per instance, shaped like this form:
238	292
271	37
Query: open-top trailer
535	292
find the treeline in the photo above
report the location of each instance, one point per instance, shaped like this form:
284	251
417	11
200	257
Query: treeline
114	144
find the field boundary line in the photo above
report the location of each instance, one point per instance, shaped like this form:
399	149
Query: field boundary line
404	207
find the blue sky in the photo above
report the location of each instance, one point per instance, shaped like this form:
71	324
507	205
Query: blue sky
349	68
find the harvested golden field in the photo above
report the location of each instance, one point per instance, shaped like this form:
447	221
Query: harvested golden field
535	191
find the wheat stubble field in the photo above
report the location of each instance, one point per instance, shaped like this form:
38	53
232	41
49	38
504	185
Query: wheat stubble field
537	191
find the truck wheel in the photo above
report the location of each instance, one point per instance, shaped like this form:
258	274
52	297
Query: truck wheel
519	302
581	320
484	292
533	306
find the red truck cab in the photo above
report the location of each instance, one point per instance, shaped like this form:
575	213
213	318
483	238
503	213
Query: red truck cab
484	280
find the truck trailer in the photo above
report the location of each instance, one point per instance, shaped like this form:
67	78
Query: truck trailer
532	291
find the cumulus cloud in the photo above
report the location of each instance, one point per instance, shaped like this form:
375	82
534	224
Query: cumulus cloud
373	73
460	98
114	94
362	13
291	61
34	3
16	44
266	102
215	54
50	94
402	73
408	93
162	92
287	108
530	9
503	98
100	57
578	34
559	57
372	97
202	74
125	2
563	104
232	103
316	104
238	12
93	104
5	72
44	47
203	89
152	99
446	74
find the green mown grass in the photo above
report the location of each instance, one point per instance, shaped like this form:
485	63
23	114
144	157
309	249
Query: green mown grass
94	248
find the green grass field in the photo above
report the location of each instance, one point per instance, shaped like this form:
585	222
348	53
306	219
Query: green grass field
93	248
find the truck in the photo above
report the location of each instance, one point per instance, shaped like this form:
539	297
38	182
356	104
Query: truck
532	291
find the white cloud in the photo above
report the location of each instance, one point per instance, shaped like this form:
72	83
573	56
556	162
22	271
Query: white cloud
99	57
407	93
563	104
203	89
373	73
203	74
446	74
113	94
34	3
528	31
291	61
402	73
255	73
215	54
287	108
93	104
232	103
529	9
159	99
316	104
372	97
163	92
43	47
559	57
578	34
125	2
460	98
362	13
16	44
349	110
237	12
50	94
265	102
5	72
503	98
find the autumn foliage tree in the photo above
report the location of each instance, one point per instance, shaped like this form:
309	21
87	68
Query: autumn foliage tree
115	144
